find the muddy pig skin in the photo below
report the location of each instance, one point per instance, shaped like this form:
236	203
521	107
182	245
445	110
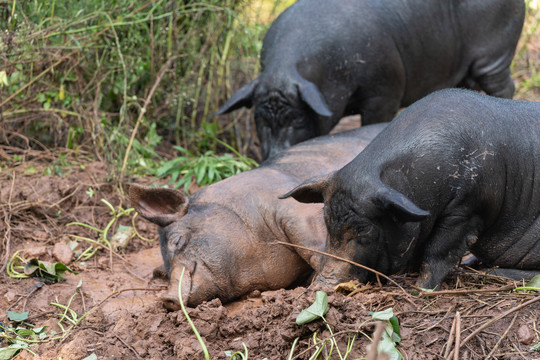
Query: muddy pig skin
455	171
324	59
225	234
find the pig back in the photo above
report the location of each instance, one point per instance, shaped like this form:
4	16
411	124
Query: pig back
323	154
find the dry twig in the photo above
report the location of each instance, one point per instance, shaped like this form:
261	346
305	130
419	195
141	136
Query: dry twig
373	354
502	337
497	318
462	292
378	273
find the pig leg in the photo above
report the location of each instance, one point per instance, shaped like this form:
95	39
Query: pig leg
498	83
379	109
445	248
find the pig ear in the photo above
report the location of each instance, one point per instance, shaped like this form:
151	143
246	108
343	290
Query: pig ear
311	95
159	205
399	205
241	98
310	191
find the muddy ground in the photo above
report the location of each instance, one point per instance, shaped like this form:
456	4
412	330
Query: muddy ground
125	319
477	313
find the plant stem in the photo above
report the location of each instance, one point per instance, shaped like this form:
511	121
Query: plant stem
205	350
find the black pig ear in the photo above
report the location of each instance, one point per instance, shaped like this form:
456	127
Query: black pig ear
159	205
310	191
241	98
311	95
399	205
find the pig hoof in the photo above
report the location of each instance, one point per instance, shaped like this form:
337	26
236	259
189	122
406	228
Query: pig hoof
160	272
171	303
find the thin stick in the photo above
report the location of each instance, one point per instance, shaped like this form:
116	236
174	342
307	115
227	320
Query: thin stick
458	335
502	337
7	219
339	333
143	110
37	77
461	292
345	260
497	318
372	355
126	345
450	339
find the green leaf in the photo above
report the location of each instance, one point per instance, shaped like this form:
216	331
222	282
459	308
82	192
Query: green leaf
387	346
535	347
47	270
11	350
41	98
383	315
92	356
317	310
17	316
22	332
534	282
391	334
38	330
396	335
8	352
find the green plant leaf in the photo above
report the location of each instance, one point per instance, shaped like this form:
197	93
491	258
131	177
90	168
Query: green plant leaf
534	282
317	310
535	347
8	352
17	316
391	334
22	332
47	270
387	346
396	335
383	315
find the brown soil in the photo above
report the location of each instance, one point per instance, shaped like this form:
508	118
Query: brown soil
126	320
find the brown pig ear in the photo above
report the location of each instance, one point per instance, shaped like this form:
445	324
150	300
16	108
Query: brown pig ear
310	191
399	205
161	206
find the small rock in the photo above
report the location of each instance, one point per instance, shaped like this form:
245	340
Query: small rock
39	235
63	253
524	334
10	296
36	252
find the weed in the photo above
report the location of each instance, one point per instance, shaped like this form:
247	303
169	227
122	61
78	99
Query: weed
51	272
121	236
203	169
532	285
320	307
201	341
76	75
26	335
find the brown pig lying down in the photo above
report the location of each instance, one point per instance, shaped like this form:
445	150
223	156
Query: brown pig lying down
225	234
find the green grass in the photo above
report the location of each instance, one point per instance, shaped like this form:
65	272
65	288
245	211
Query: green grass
123	80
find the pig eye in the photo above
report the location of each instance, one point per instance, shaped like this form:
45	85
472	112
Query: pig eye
364	240
176	243
298	123
365	235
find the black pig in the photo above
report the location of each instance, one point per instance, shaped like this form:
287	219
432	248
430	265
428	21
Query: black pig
455	171
323	59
